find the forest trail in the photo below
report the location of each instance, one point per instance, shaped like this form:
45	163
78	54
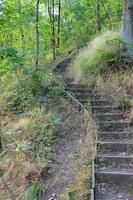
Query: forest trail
67	148
114	159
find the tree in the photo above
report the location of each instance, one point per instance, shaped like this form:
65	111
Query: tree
59	19
53	29
37	34
98	18
1	149
127	27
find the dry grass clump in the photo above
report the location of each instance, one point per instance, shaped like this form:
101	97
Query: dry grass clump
27	141
131	116
117	87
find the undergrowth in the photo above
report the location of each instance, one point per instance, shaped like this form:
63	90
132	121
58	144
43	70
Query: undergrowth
28	130
27	149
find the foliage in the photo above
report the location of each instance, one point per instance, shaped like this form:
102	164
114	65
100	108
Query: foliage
18	24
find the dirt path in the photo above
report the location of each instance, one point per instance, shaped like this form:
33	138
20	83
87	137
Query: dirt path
67	150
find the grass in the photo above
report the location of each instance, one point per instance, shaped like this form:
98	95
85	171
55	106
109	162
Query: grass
93	59
117	87
103	66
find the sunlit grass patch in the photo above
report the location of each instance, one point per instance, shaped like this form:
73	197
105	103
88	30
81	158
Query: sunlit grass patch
94	59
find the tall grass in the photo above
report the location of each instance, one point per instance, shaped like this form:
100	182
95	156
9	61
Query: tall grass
95	57
100	66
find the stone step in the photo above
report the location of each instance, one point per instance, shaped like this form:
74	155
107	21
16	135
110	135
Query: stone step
115	135
108	191
104	109
115	176
95	102
115	160
109	116
85	97
113	125
64	64
115	146
60	70
78	90
66	78
74	85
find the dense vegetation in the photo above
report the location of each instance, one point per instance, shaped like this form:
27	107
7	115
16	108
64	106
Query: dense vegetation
34	36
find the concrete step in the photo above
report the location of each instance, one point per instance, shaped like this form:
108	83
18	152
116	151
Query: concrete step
110	191
95	102
78	90
115	135
115	176
64	64
105	109
85	97
113	125
116	160
115	146
109	116
74	85
66	78
60	70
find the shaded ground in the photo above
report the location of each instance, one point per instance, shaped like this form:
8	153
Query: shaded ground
67	151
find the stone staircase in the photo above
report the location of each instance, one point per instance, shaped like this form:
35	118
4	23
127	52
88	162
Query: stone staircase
114	159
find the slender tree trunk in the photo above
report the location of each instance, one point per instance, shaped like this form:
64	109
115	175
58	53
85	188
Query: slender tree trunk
53	29
37	34
127	26
1	149
98	17
107	14
49	10
59	20
22	32
23	43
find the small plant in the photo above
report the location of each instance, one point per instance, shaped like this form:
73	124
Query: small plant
34	192
122	99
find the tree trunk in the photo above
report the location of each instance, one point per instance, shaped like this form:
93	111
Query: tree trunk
22	32
1	149
98	18
37	34
59	19
53	29
127	27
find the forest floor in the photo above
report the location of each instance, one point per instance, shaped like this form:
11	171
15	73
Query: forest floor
68	148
